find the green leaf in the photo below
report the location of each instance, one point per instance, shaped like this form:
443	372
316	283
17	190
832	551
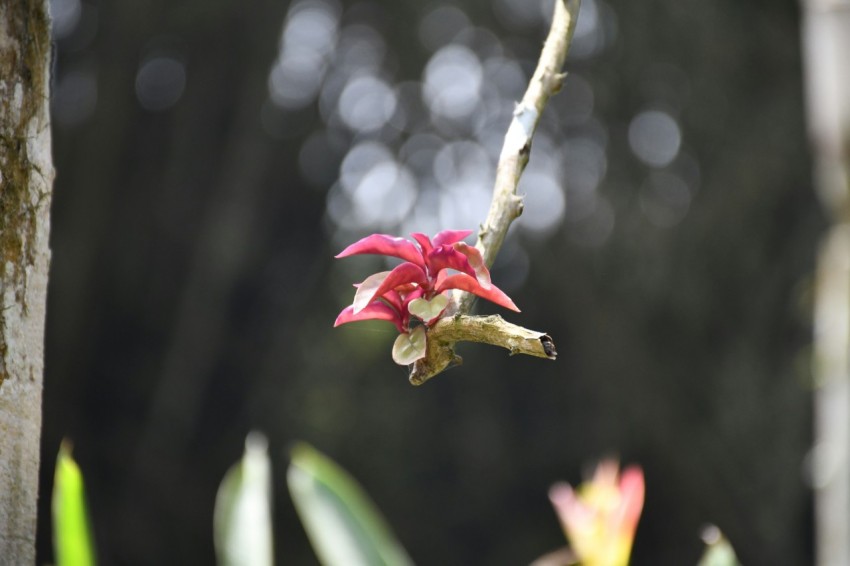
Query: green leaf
72	539
428	310
718	550
242	526
409	347
342	523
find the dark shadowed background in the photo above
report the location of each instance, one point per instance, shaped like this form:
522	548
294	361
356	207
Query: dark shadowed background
212	156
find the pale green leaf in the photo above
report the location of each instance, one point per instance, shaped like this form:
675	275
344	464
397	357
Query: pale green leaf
343	525
72	538
718	550
242	526
409	347
428	310
366	290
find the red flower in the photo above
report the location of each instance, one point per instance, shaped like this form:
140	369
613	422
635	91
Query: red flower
418	286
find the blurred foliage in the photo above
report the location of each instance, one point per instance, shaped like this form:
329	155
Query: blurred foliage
718	550
192	290
72	537
242	528
343	524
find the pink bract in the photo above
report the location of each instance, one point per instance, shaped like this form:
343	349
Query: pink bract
432	266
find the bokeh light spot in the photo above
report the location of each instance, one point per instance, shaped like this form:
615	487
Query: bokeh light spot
311	26
441	25
461	160
307	42
361	48
64	17
544	203
596	28
295	80
384	195
654	137
359	160
585	164
160	82
367	103
452	82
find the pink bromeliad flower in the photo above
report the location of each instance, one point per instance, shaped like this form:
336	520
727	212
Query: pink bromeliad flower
417	290
600	516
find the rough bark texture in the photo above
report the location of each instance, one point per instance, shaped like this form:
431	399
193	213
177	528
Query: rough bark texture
26	178
482	329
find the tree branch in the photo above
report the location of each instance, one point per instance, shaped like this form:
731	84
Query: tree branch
505	207
483	329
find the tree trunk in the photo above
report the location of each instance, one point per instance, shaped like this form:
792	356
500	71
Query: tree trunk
26	179
826	42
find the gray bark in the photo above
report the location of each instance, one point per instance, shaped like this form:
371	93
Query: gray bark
26	178
826	41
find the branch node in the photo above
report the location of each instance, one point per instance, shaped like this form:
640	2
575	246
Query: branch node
557	82
517	205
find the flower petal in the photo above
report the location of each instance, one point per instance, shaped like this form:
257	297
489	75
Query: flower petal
409	347
464	282
450	237
379	283
376	310
383	244
476	261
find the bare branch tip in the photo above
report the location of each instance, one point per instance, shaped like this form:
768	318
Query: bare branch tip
548	347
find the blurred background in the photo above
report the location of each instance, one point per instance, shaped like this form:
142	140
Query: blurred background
212	156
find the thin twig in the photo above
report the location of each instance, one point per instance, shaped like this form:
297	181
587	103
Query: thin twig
505	207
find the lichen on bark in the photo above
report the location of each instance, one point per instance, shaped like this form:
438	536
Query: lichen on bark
24	55
26	177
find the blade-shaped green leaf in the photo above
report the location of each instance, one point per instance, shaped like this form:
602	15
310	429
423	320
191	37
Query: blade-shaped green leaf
242	518
72	539
718	550
344	526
